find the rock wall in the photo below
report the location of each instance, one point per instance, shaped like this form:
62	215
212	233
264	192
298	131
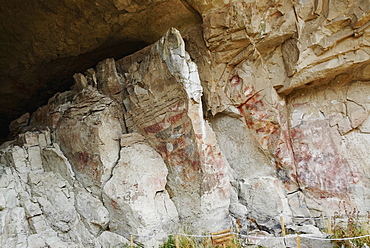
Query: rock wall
261	111
42	203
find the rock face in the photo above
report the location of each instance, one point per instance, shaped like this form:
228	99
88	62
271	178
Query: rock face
263	111
146	156
43	43
42	203
172	121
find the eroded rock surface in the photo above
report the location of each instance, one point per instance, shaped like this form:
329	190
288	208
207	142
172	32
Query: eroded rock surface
147	157
42	203
44	43
266	113
172	121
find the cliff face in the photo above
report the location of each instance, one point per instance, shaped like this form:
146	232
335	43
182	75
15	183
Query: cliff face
44	43
260	111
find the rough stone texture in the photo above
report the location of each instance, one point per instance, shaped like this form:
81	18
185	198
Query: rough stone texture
266	114
262	58
271	60
44	43
172	176
172	122
89	134
136	197
43	205
54	204
331	163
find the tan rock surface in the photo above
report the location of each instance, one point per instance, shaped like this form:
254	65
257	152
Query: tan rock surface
172	122
267	113
44	43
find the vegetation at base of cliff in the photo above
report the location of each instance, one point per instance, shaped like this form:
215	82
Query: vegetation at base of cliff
184	241
355	228
192	242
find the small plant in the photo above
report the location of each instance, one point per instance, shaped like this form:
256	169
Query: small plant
354	228
184	241
193	242
170	243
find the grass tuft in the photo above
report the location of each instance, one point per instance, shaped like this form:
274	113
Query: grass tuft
354	227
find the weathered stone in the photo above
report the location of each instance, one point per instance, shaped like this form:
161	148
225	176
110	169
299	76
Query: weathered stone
54	160
34	158
35	241
110	239
80	82
2	199
284	87
109	82
136	198
244	156
298	205
19	124
92	210
59	40
39	208
131	138
365	127
49	115
173	124
32	209
290	53
58	206
269	200
28	138
89	136
357	114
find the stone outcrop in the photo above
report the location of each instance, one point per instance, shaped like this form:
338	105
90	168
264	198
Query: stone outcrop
44	43
172	122
268	61
42	204
146	156
261	111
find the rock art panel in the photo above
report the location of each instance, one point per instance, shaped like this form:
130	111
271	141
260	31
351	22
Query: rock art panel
284	87
327	139
89	134
252	75
321	167
172	122
192	184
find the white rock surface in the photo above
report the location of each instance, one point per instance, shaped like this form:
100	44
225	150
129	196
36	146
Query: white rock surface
43	205
135	195
132	148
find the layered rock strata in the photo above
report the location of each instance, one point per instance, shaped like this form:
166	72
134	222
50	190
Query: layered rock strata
146	155
290	70
266	114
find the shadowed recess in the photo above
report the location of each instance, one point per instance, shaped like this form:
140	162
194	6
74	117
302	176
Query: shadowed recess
55	76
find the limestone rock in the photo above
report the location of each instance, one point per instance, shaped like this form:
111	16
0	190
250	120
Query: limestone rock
92	210
136	197
172	122
44	43
109	239
89	134
42	204
266	113
102	177
248	64
109	82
